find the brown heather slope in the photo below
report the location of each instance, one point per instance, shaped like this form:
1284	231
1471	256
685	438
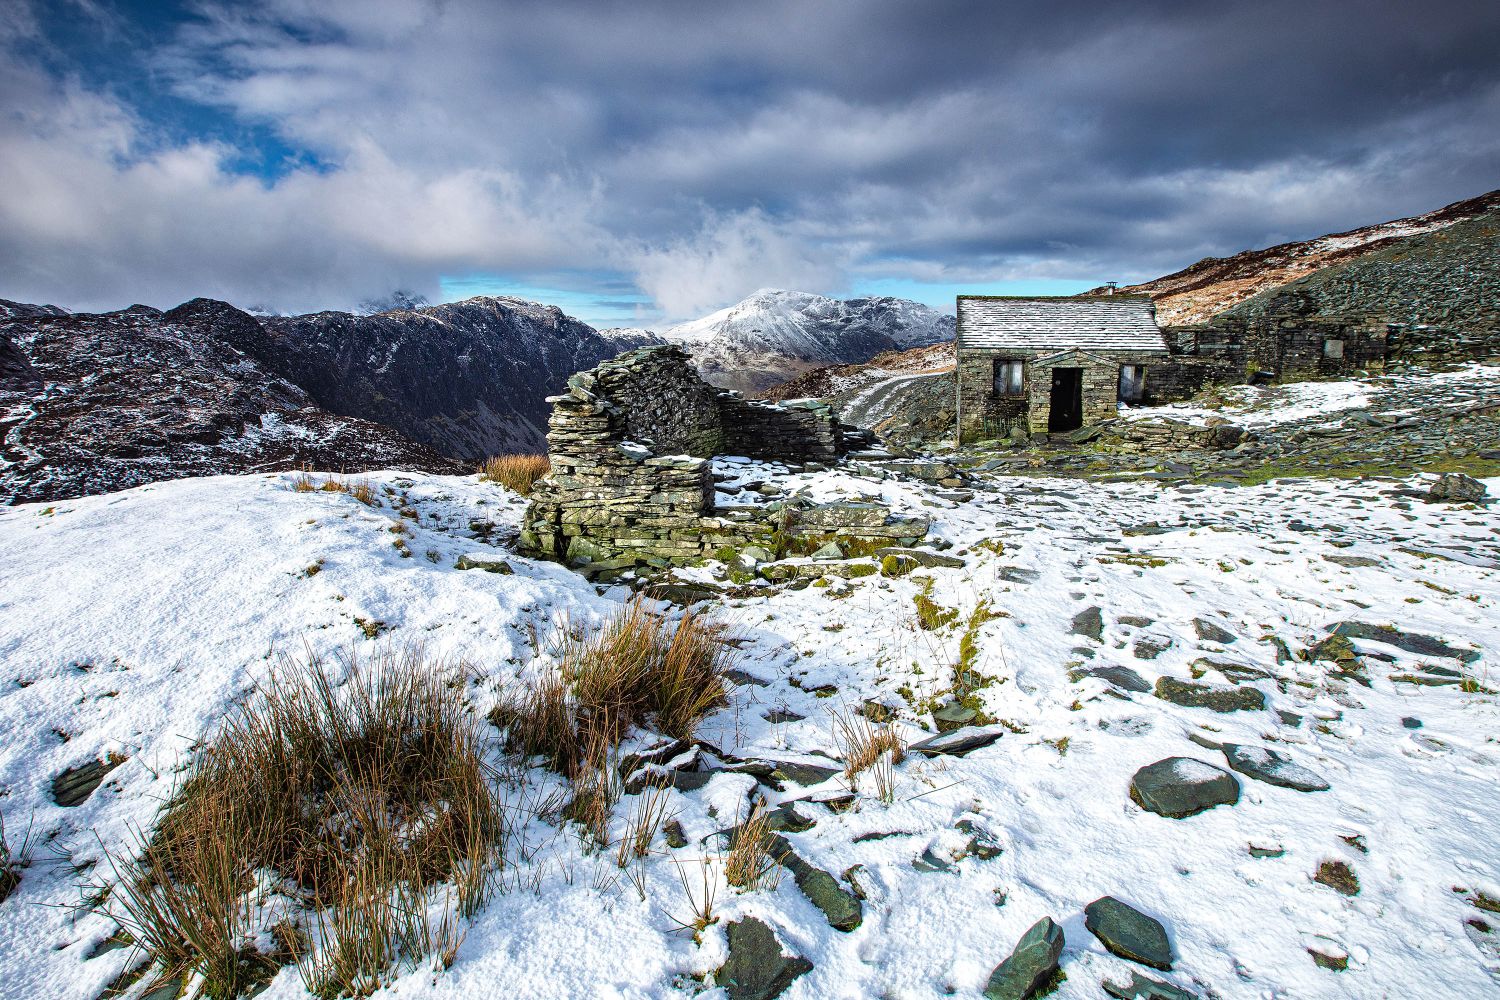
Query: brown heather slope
1214	284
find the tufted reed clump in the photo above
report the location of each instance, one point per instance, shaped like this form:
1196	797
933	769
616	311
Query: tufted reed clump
329	816
516	472
641	669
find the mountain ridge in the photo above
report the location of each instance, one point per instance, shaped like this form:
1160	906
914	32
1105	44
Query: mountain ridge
1208	287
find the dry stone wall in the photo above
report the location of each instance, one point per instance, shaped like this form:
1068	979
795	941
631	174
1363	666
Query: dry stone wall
631	485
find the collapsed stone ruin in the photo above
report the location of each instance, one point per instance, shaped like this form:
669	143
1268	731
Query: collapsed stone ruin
632	486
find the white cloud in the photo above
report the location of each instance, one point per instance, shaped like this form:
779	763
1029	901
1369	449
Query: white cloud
726	260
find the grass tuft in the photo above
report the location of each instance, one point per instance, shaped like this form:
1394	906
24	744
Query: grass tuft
345	807
516	472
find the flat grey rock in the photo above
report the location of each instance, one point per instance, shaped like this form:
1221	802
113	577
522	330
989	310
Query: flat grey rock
1209	632
1128	932
958	742
1121	677
1211	696
1089	622
756	969
1179	787
1273	767
1145	988
1411	642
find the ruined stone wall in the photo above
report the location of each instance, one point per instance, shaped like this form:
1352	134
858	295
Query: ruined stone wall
1420	344
798	431
631	484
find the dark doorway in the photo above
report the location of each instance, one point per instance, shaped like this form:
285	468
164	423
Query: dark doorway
1067	400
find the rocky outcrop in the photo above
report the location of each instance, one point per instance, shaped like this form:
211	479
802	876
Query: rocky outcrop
91	403
469	379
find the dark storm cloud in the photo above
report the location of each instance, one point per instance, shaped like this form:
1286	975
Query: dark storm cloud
698	151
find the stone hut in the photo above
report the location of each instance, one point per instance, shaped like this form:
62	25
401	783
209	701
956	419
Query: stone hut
631	485
1053	364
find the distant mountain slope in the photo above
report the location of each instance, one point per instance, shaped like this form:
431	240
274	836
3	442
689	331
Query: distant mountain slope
773	335
92	403
1215	284
468	378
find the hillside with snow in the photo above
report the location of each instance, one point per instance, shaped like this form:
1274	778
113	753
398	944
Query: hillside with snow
774	335
1095	616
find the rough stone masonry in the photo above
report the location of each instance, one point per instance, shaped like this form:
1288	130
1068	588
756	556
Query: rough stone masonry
631	485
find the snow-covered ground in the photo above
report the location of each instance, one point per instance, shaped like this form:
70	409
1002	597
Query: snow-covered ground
131	623
1267	406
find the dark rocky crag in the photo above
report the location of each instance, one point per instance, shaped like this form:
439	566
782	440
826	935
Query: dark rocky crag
92	403
469	379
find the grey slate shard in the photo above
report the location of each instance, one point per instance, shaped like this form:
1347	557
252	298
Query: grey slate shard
1178	787
1273	767
1128	932
958	742
1030	965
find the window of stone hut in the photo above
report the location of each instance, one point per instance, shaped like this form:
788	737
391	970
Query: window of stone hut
1009	379
1333	349
1132	383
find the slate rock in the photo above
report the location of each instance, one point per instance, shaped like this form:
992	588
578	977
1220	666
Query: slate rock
803	774
756	969
1210	696
1411	642
1150	649
1030	965
1090	623
787	817
76	784
1179	787
1455	487
1121	677
958	742
840	907
1410	722
922	557
1272	767
1016	574
1128	932
499	566
1209	632
778	716
952	716
1145	988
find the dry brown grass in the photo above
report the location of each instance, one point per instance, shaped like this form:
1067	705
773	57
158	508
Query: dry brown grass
360	489
356	800
516	472
862	742
750	863
640	669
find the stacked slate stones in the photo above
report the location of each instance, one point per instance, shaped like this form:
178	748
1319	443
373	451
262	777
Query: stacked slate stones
631	485
1169	436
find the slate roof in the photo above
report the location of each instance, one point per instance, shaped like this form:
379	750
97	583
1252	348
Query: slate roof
1052	323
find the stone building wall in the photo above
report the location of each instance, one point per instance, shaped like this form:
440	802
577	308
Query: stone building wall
631	485
1101	388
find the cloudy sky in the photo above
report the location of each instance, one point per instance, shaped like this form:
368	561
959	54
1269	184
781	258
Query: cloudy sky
639	162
